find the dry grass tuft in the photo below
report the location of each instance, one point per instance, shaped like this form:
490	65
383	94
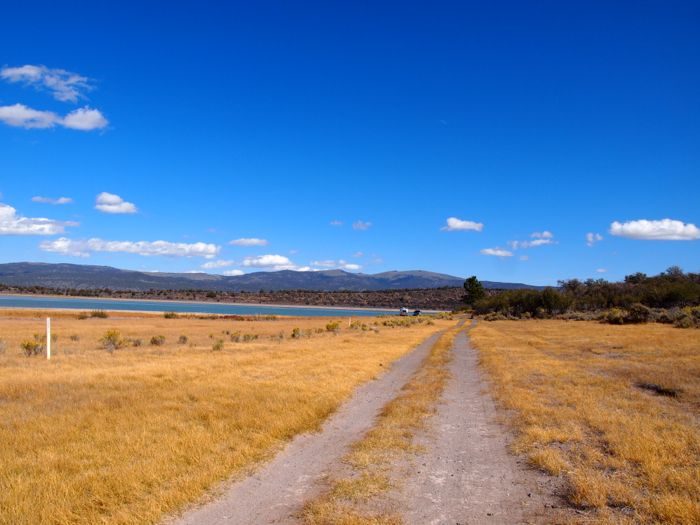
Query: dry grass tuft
349	499
612	409
131	435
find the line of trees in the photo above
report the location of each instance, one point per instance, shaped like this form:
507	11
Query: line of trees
670	289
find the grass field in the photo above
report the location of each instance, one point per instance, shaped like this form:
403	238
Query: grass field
613	410
134	434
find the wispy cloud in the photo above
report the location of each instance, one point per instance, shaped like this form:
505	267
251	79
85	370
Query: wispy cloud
653	230
82	119
63	85
339	264
496	252
234	273
84	247
111	203
336	222
249	241
217	264
453	224
13	224
601	270
538	239
361	225
50	200
357	255
592	238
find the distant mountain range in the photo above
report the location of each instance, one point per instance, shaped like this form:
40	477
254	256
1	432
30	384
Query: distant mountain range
77	276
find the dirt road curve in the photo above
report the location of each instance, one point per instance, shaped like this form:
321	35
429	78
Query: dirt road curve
466	475
278	490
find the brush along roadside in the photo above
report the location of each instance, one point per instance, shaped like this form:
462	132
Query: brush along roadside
351	497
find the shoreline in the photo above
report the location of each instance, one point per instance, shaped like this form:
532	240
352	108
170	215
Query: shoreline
199	303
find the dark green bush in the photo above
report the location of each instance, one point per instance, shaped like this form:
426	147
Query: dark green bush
638	313
158	340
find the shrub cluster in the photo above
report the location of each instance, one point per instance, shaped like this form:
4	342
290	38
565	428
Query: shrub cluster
638	299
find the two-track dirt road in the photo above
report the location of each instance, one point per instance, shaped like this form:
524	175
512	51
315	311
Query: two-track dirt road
465	476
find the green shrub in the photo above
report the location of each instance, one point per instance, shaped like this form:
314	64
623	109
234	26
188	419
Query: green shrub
32	347
99	314
112	340
182	340
74	337
158	340
236	337
638	313
684	321
615	316
333	326
136	343
170	315
296	333
218	345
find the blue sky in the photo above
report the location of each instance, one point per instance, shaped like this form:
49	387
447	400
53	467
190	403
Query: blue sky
347	134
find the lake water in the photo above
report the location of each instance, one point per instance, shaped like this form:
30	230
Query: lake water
79	303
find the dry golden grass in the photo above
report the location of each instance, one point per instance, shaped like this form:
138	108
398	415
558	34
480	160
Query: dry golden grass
130	436
349	498
586	405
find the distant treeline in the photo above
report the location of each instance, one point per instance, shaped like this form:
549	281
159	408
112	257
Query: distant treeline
424	298
670	289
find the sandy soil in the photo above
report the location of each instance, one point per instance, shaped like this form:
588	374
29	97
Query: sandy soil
277	491
466	476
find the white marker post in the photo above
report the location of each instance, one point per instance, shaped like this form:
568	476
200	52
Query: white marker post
48	338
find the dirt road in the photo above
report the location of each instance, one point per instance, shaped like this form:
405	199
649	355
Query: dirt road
466	476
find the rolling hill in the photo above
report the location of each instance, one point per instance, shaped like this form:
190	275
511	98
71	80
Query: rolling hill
77	276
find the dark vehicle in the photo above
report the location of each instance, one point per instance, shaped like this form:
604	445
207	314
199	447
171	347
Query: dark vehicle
416	313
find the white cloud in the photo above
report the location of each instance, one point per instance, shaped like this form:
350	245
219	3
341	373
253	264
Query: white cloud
341	264
361	225
524	258
357	255
21	116
63	85
83	248
538	239
663	230
234	273
601	270
274	262
249	241
454	224
84	119
592	238
111	203
496	252
13	224
217	264
50	200
336	223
